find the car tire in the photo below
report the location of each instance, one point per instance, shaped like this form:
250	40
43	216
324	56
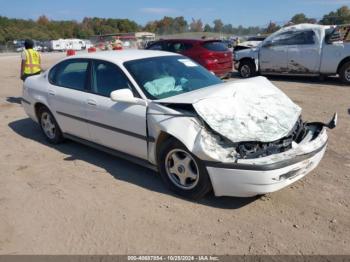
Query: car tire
49	126
182	171
247	68
344	73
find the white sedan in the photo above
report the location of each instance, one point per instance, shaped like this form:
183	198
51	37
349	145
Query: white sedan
164	111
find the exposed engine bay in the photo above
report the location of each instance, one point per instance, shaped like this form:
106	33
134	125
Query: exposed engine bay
249	150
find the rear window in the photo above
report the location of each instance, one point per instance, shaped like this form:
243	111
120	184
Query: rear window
215	46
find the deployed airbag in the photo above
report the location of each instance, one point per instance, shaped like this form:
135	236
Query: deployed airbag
161	86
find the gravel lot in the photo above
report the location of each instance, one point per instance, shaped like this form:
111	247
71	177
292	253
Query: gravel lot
71	199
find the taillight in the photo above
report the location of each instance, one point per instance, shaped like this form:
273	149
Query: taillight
211	61
209	58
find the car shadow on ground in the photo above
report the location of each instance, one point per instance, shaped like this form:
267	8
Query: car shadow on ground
331	80
14	100
119	168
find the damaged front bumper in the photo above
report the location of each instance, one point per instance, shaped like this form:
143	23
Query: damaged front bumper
251	177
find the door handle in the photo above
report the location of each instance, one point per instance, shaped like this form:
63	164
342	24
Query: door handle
91	102
52	93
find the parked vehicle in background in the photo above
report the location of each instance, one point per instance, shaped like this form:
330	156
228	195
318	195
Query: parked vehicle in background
305	49
212	54
65	44
87	44
229	44
75	44
58	45
19	45
251	42
165	111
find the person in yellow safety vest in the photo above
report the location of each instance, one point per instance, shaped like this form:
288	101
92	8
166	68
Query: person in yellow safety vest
31	60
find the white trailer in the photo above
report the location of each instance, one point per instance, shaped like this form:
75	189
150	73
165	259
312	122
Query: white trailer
65	44
75	44
57	45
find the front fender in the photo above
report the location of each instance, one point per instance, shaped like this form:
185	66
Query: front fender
185	129
252	53
189	130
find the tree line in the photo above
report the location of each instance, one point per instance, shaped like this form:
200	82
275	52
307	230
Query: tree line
44	28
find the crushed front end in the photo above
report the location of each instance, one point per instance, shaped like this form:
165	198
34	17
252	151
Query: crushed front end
248	133
261	168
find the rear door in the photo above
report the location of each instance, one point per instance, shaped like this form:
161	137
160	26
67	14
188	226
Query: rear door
117	125
67	95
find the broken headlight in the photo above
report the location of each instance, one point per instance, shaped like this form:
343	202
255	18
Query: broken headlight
249	150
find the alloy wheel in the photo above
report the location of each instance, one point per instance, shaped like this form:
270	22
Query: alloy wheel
245	71
48	125
182	169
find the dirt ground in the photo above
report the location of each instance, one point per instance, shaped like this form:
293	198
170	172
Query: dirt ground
71	199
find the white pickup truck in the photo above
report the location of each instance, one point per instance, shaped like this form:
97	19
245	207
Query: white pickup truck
305	49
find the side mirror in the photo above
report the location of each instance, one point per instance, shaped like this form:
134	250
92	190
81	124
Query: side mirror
328	39
333	37
126	96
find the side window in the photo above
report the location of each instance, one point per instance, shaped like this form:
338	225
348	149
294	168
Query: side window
107	77
294	38
70	73
178	47
305	38
280	39
156	46
300	38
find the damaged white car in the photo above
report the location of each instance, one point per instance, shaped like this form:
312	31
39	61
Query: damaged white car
166	112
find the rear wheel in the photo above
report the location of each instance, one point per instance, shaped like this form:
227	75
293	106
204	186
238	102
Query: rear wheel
247	68
49	126
344	73
181	171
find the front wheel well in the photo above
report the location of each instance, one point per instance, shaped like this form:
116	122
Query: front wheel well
37	108
163	136
247	68
247	59
342	62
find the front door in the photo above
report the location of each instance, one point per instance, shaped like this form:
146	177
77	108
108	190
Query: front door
273	55
304	53
117	125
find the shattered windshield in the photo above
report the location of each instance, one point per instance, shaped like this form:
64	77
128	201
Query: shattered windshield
162	77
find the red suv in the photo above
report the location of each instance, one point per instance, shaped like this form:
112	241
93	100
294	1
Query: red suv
212	54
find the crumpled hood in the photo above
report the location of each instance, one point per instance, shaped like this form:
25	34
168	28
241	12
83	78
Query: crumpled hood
245	110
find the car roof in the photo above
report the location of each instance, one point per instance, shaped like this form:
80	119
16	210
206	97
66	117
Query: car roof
121	56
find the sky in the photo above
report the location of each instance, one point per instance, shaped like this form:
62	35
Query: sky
236	12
